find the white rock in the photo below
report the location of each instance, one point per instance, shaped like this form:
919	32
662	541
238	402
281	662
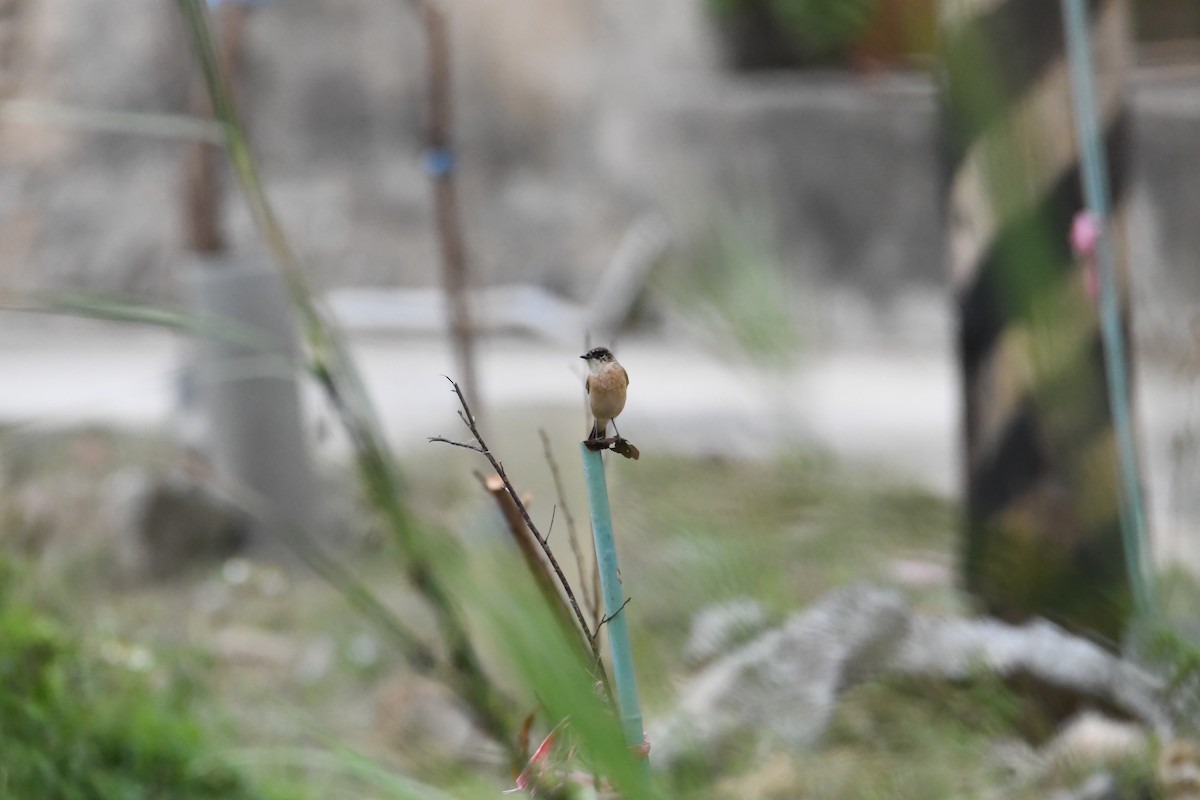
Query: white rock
719	628
783	685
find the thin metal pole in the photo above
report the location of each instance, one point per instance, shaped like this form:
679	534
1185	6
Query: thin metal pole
614	598
1096	193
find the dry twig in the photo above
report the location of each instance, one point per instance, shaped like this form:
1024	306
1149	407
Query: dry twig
608	618
591	593
480	446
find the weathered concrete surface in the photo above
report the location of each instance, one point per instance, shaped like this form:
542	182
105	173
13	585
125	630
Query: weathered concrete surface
573	120
843	170
1165	239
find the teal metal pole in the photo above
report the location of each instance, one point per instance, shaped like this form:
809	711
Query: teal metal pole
614	597
1096	196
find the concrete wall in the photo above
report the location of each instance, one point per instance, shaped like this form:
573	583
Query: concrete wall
845	170
1166	234
573	120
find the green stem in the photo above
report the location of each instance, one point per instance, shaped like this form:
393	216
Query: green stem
614	598
1116	368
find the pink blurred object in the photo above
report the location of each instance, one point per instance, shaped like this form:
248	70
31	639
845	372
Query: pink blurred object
1085	235
548	770
537	765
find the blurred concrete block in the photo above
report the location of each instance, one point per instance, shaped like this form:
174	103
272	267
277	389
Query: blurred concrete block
248	396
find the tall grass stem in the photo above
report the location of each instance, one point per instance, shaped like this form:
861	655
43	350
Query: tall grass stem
614	597
1116	367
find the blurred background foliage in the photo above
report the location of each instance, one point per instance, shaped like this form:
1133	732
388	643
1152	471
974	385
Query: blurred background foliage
82	718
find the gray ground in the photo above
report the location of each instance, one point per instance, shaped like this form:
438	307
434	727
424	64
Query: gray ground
892	407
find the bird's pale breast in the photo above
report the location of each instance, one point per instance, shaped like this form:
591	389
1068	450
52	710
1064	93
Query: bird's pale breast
607	392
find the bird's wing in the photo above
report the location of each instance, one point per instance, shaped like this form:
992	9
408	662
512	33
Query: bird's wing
626	374
587	384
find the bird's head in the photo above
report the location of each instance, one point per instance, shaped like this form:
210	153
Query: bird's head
598	355
598	358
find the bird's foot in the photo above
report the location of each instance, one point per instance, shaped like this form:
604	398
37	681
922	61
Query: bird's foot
600	443
617	444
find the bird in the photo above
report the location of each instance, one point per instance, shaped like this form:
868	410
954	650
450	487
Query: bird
606	384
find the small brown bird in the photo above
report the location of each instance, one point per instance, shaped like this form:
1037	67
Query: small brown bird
606	384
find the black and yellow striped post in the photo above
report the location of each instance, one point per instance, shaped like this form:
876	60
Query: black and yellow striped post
1043	526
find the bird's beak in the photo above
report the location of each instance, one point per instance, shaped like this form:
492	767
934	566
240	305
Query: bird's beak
584	358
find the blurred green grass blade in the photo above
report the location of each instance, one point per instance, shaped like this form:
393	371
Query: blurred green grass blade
111	309
525	635
140	123
343	761
246	169
733	289
338	377
330	359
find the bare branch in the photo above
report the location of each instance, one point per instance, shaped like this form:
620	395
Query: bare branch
609	618
591	595
594	600
463	445
469	419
